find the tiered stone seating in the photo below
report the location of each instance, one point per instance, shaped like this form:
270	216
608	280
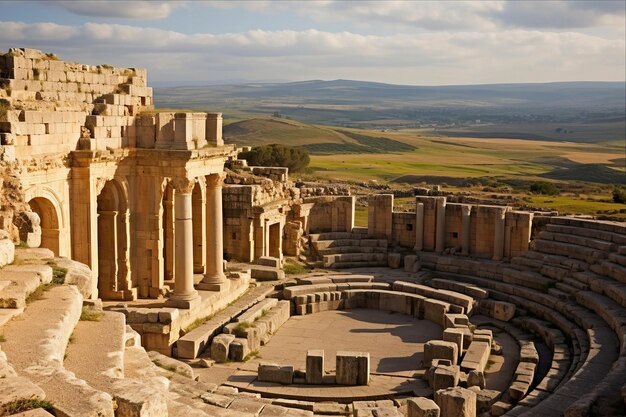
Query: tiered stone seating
349	250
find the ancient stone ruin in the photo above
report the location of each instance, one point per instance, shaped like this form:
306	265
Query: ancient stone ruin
141	274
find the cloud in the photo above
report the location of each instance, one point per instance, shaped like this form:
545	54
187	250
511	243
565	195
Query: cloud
441	57
137	9
451	15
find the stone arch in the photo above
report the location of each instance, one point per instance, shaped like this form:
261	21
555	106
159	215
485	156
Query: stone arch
50	222
47	204
113	242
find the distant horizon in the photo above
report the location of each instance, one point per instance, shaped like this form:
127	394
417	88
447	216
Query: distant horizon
159	84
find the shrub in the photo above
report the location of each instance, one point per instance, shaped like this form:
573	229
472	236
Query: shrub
545	188
619	195
24	404
275	155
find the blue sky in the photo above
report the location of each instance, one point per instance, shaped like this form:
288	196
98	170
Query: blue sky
401	42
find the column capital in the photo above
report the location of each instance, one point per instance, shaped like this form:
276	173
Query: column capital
215	180
183	185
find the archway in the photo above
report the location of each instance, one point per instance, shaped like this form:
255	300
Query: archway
49	222
113	243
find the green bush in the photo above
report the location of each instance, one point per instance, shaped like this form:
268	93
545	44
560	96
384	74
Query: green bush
545	188
619	195
275	155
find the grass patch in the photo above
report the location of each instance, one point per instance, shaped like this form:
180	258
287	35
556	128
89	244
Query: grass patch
24	404
58	272
89	314
38	293
293	267
240	329
490	363
255	354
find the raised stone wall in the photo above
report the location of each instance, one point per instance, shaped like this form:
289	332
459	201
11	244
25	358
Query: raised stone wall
331	214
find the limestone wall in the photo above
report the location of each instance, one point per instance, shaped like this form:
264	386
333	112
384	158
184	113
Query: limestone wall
331	214
379	216
403	229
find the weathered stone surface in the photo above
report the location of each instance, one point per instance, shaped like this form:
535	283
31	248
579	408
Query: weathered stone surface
445	377
238	349
456	402
422	407
394	260
135	399
476	379
270	372
77	274
439	349
315	367
476	357
353	368
14	388
220	347
171	364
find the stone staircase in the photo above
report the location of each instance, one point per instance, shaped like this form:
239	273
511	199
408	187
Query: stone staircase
349	249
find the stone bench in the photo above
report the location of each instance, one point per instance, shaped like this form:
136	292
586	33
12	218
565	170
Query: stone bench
459	287
451	297
582	253
256	311
607	236
293	291
589	242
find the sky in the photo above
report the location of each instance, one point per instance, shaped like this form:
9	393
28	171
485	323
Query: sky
398	42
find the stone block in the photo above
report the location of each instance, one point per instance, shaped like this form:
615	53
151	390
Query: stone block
422	407
353	368
411	263
434	310
270	372
135	399
238	350
483	335
315	367
220	347
476	357
269	261
476	379
454	335
394	260
445	377
440	349
456	402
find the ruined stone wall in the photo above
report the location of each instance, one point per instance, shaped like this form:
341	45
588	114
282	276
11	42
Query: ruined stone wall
238	219
492	232
403	229
331	214
279	174
379	216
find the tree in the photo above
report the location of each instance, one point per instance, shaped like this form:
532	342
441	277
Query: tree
619	195
546	188
275	155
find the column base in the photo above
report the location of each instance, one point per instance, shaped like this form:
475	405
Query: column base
187	304
220	286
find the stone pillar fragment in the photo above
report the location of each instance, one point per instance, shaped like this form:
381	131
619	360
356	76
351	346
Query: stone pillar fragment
315	367
419	226
465	231
353	368
498	238
440	231
214	279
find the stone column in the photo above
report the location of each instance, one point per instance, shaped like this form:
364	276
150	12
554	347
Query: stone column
185	296
214	279
419	226
123	246
440	230
107	252
498	238
465	231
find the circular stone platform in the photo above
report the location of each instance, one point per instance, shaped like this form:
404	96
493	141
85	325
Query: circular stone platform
395	343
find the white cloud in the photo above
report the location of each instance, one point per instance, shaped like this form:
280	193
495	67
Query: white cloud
515	55
137	9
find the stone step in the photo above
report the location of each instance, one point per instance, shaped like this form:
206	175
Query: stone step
21	280
329	244
357	264
598	244
352	249
98	366
615	271
35	345
618	258
192	344
582	253
7	314
453	297
330	260
593	233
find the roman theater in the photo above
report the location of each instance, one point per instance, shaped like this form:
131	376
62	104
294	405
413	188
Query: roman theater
142	274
